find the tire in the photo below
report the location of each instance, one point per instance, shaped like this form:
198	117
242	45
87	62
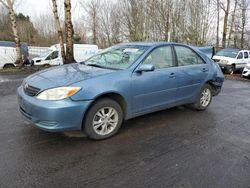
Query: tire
204	99
46	65
98	125
230	69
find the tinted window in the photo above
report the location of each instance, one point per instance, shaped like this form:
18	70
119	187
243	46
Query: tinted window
245	55
161	57
240	56
54	55
186	56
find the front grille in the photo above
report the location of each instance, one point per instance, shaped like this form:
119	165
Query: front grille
216	60
30	90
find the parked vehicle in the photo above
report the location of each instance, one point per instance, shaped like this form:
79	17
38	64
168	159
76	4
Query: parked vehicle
53	55
231	60
246	71
8	54
120	83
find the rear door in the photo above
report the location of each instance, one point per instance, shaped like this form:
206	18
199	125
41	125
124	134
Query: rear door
192	72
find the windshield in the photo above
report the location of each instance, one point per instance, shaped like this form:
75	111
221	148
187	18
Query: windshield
46	53
118	57
228	53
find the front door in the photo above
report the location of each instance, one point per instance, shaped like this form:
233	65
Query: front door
242	59
155	89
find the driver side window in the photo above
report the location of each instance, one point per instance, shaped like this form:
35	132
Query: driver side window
53	55
240	56
160	57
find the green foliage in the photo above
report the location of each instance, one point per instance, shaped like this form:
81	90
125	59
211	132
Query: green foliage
25	28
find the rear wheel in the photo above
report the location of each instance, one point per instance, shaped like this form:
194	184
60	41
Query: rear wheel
104	119
46	65
204	99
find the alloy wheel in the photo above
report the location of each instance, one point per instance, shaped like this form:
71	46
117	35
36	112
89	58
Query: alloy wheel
105	121
206	96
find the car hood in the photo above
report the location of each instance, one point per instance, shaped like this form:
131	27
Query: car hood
37	58
222	58
64	75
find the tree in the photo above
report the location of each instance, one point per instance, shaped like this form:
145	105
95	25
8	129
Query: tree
9	5
25	28
232	22
92	9
218	23
59	31
244	4
69	32
226	9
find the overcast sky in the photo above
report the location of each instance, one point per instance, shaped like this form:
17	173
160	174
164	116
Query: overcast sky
33	8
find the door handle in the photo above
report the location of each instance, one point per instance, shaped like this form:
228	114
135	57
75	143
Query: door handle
172	75
204	69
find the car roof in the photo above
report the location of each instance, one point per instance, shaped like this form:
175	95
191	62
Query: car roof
238	49
149	44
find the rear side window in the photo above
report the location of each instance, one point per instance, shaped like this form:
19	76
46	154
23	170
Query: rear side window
246	55
186	56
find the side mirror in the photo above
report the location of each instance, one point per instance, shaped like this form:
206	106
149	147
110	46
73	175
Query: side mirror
146	68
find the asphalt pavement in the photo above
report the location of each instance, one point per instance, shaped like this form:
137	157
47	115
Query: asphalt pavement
178	147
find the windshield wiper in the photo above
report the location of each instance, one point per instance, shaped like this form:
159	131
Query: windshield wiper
103	67
96	65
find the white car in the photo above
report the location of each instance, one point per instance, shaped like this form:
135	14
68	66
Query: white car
230	59
53	55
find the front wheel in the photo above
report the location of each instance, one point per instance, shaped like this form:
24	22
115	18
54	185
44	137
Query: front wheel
204	99
104	119
230	69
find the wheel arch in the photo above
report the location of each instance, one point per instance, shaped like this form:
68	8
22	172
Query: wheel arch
111	95
8	64
215	87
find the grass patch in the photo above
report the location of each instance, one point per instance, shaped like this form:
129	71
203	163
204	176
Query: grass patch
21	70
236	77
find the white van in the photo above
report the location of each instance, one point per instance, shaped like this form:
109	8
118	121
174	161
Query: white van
231	59
53	55
8	55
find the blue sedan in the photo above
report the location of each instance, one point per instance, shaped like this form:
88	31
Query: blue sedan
120	83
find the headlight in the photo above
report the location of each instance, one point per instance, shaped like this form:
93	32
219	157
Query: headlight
59	93
224	61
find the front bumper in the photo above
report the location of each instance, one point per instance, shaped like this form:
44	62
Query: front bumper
53	116
246	72
224	66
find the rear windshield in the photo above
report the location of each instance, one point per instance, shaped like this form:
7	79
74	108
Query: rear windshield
228	53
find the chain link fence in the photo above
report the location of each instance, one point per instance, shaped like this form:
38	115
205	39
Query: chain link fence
35	51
